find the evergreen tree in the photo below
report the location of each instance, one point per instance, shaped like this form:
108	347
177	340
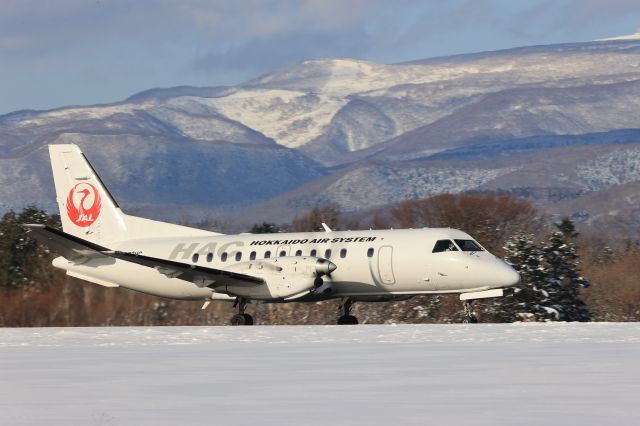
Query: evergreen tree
20	256
550	280
568	228
529	300
564	281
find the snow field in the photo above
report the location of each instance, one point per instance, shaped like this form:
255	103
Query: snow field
517	374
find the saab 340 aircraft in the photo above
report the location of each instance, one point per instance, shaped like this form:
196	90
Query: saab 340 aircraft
100	244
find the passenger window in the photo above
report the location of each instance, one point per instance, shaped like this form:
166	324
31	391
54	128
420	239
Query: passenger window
343	253
327	254
238	256
468	245
444	245
224	257
252	256
267	254
209	257
195	257
299	253
283	253
313	253
370	252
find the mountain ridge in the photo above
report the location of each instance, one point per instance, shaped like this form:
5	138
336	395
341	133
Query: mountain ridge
324	128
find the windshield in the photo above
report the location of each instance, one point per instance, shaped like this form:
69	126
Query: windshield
468	245
444	245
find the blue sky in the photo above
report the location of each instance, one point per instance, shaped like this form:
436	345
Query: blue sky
64	52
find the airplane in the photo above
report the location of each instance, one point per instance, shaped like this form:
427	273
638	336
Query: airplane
101	244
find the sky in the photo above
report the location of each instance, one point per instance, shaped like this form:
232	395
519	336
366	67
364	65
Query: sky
55	53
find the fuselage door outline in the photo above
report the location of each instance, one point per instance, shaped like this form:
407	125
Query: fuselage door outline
385	265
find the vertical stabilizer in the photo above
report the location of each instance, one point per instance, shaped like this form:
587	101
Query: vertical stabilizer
87	209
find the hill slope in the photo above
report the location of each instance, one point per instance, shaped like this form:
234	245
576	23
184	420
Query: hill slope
547	122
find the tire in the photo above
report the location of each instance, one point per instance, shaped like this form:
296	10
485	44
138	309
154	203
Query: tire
470	320
239	319
347	320
248	319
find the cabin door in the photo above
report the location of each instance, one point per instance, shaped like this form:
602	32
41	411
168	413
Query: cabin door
385	265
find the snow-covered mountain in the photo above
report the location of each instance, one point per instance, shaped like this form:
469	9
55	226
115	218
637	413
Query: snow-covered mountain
553	123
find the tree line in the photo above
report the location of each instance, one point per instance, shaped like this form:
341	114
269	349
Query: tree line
566	276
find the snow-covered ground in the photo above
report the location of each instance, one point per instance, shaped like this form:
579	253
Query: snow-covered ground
521	374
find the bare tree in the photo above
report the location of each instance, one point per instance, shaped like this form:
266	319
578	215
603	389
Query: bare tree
490	218
313	219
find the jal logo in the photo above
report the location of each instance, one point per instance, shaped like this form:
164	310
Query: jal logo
83	204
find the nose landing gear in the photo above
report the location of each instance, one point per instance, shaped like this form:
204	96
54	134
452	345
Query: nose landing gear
469	316
345	308
241	318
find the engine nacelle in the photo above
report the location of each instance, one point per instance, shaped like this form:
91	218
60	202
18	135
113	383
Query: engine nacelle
286	278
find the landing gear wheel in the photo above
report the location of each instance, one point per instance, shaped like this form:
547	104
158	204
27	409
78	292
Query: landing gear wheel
241	318
347	320
345	309
248	319
470	320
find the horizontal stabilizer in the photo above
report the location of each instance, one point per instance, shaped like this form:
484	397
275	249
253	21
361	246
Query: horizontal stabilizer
69	246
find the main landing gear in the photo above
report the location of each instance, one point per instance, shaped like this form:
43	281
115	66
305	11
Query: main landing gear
241	318
345	309
469	316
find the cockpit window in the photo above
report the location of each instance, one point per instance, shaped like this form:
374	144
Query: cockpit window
444	245
468	245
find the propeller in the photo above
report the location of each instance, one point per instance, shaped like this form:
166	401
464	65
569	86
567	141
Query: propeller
323	267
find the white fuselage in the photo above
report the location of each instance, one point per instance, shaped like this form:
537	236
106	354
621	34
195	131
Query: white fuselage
369	263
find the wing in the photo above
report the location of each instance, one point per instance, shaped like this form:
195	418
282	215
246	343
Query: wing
79	250
194	273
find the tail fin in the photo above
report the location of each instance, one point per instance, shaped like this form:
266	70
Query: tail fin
88	210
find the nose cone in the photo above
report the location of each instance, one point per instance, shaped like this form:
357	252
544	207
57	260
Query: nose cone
325	267
505	275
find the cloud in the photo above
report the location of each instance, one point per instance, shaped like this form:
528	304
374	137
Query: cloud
213	28
32	29
274	34
261	54
576	20
136	44
74	21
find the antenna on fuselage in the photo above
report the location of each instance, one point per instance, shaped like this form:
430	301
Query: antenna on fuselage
326	227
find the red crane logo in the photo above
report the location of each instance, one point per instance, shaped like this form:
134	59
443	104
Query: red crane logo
83	204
